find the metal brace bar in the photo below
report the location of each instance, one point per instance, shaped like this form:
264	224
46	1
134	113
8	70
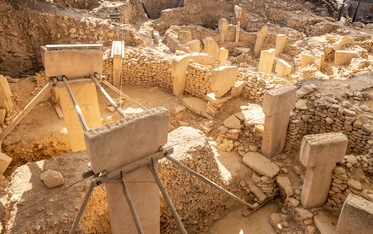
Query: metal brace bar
117	108
210	182
76	106
82	207
167	198
131	205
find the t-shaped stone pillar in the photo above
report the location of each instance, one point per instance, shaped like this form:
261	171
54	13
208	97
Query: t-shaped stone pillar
260	40
117	54
319	153
121	143
277	105
222	24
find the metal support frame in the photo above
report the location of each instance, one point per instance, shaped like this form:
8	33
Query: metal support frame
356	10
341	11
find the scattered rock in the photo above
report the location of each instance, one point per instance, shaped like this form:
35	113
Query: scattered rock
52	178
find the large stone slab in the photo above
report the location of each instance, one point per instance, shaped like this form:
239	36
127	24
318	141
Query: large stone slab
325	223
196	105
117	144
279	100
179	67
185	36
356	216
223	79
194	45
5	94
4	162
344	57
72	63
260	164
210	47
86	97
267	57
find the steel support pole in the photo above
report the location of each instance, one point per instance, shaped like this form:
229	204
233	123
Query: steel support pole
76	106
82	207
357	8
167	198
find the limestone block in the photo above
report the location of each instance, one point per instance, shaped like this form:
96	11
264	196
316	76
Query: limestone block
202	58
280	43
196	105
2	116
72	63
223	56
194	45
185	36
217	101
222	79
344	41
4	162
86	97
52	178
237	88
285	184
344	57
233	122
356	216
241	50
260	164
282	68
210	47
123	138
179	67
222	25
260	40
324	223
306	60
274	134
266	60
280	99
315	147
156	36
117	62
5	94
237	11
238	29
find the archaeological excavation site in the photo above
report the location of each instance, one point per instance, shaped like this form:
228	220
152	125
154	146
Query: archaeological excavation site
186	116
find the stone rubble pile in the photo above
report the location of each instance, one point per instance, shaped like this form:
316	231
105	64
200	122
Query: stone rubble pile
214	104
317	113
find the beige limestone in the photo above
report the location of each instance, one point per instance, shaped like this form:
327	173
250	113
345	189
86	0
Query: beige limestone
185	36
237	12
179	67
72	63
223	56
196	105
222	25
282	68
202	58
238	28
5	95
210	47
122	139
237	88
356	216
194	45
222	79
2	116
275	128
306	60
320	153
52	178
344	57
260	40
117	62
86	97
346	40
324	223
280	99
4	162
260	164
280	43
241	50
267	57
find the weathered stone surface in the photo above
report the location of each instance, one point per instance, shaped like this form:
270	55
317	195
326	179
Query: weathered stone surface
5	93
325	224
222	56
301	104
279	100
241	50
285	184
344	57
267	57
260	40
121	139
222	79
282	68
233	122
185	36
356	216
280	43
179	67
4	162
196	105
210	47
355	184
319	153
194	45
344	41
260	164
306	60
2	116
304	214
52	178
274	219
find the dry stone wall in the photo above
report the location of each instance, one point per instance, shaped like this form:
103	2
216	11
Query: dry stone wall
198	80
